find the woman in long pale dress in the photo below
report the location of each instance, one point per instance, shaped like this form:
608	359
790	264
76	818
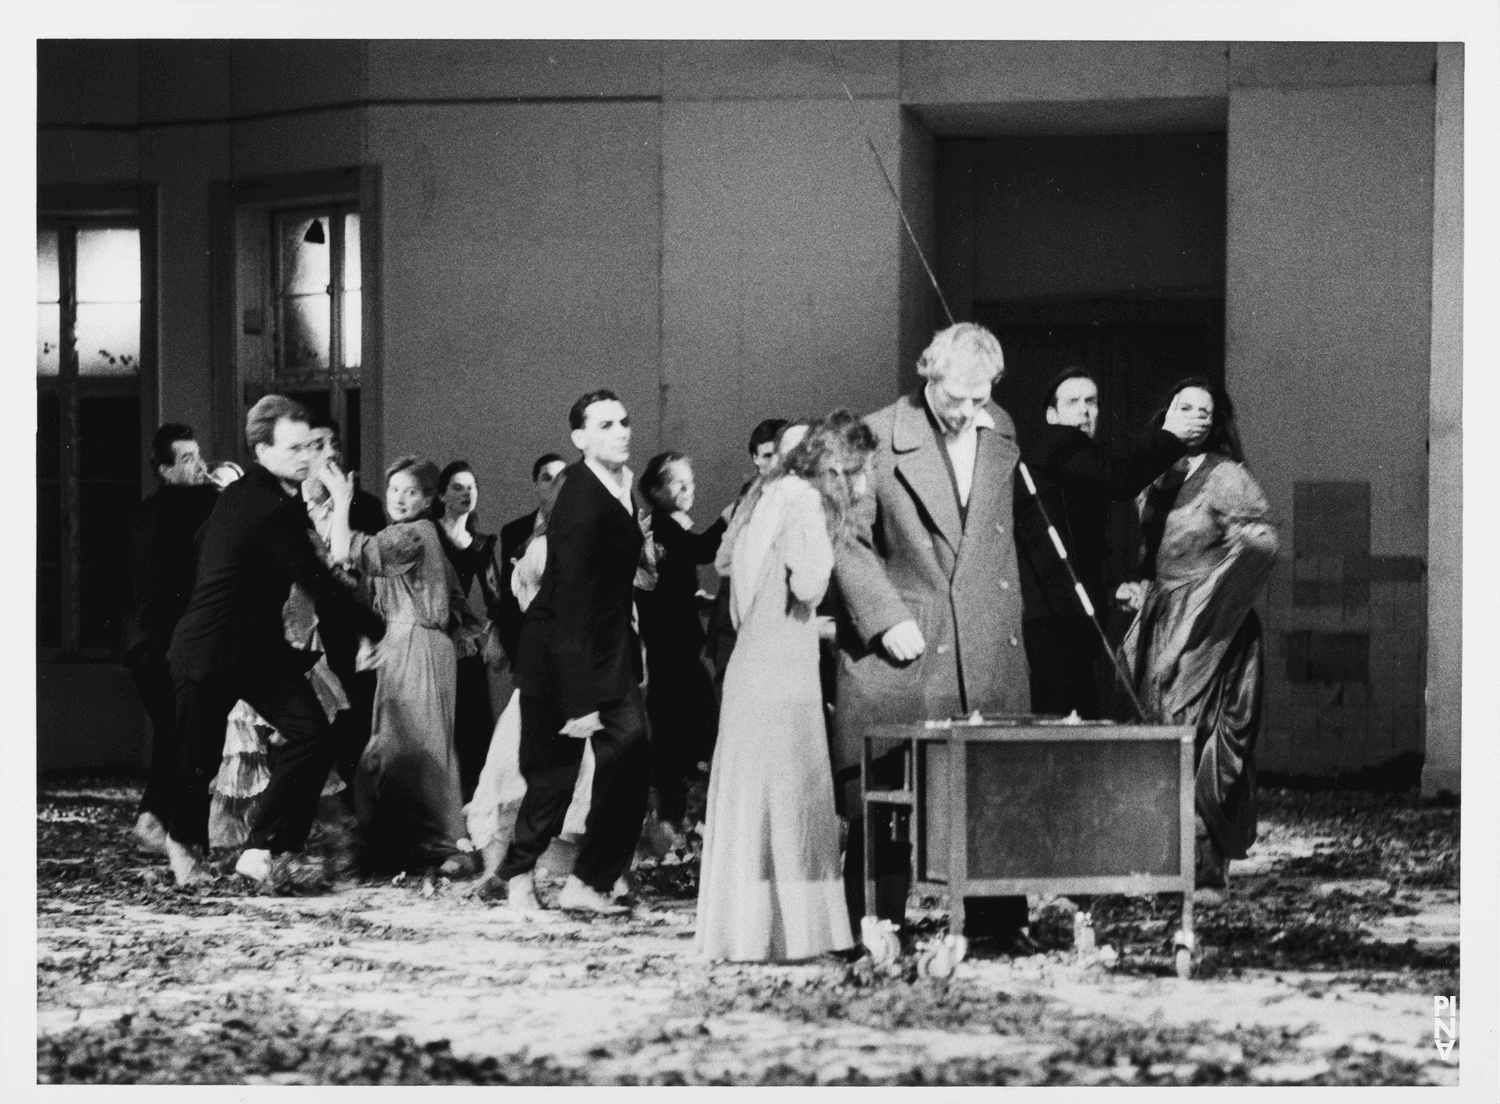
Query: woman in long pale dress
1195	647
771	884
406	789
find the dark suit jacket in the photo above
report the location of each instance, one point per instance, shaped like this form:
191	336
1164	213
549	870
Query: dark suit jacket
513	535
163	559
254	545
670	621
576	641
366	514
1077	481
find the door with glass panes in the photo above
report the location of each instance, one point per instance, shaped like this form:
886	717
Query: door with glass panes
89	429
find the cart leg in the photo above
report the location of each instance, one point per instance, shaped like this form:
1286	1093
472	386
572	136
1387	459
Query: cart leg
1186	942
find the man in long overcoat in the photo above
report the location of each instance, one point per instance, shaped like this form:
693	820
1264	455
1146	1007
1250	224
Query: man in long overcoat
930	624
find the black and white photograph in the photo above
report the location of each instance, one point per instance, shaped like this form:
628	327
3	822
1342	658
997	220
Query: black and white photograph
826	551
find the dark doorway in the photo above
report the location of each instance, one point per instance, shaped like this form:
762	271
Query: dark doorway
1100	252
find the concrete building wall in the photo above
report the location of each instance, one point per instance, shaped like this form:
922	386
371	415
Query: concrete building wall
1445	495
1327	352
780	274
520	270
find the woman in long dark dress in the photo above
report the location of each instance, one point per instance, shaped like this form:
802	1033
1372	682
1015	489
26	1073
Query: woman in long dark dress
680	699
406	789
1195	646
472	555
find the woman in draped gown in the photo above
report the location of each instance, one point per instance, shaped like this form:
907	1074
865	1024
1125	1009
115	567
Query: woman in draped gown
406	790
1195	648
770	886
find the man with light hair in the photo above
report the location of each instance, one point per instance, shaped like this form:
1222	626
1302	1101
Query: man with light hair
930	620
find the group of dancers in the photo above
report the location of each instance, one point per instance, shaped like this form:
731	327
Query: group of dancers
293	637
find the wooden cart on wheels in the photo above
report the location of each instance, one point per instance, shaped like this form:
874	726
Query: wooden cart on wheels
1009	806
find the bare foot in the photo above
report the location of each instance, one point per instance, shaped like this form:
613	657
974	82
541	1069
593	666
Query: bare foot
187	864
150	834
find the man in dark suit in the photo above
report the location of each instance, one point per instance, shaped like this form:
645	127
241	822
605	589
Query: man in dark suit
351	727
161	543
230	644
579	672
1077	480
546	479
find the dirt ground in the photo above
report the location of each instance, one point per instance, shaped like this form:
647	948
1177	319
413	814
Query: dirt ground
1319	967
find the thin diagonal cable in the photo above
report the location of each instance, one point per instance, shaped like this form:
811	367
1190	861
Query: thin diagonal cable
895	196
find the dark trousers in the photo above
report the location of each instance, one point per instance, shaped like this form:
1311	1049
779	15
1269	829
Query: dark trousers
1063	653
549	763
351	727
153	682
298	768
683	712
473	722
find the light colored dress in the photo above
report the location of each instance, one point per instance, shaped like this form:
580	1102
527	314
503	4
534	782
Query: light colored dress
406	791
771	886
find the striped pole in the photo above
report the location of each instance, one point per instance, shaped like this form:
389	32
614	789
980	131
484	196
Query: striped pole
1083	595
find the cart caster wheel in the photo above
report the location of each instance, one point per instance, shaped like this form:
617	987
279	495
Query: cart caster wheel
1184	962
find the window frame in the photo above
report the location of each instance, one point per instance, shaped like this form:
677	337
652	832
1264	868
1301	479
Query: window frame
68	209
238	384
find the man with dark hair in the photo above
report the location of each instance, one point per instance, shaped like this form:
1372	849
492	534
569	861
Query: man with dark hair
230	644
546	480
351	727
763	446
579	672
161	544
366	512
1076	480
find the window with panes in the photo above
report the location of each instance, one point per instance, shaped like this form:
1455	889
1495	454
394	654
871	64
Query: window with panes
88	441
300	310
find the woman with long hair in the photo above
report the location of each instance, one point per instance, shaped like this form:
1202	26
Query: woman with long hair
472	555
406	790
1195	649
679	693
770	887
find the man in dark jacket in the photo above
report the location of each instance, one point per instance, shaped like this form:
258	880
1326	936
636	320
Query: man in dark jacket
546	478
231	644
579	672
161	544
1076	480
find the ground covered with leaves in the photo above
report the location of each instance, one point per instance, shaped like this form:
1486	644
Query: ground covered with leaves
1318	967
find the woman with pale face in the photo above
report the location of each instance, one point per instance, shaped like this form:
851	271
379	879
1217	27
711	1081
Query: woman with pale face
1195	648
407	791
472	554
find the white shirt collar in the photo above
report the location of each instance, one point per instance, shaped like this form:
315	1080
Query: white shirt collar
620	493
